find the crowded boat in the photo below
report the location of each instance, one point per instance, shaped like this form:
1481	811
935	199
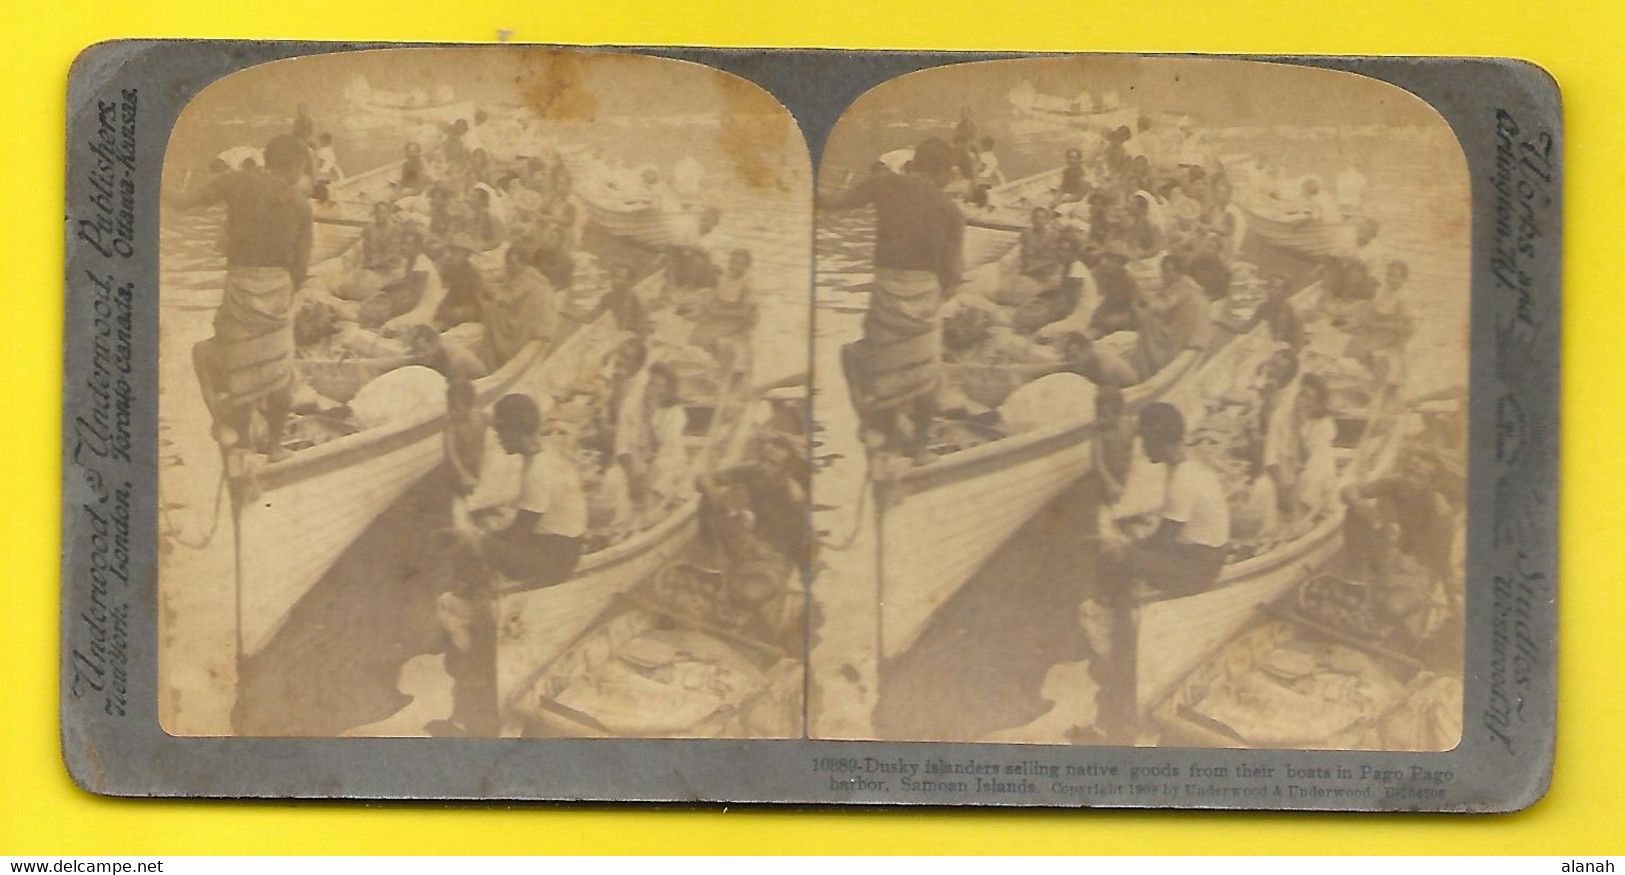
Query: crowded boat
1177	323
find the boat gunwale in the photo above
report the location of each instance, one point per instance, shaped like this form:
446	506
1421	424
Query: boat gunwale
1017	449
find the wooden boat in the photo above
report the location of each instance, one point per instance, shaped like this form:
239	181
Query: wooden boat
322	498
537	625
994	230
767	703
674	224
295	517
354	197
938	524
1282	227
396	108
1080	112
1177	635
1278	223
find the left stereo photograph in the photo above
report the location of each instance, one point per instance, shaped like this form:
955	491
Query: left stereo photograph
483	400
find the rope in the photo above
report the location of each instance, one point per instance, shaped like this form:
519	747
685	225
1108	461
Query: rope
214	524
857	524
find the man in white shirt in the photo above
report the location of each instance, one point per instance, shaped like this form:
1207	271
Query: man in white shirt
1182	556
542	543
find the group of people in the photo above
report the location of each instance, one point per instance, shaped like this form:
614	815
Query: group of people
1129	261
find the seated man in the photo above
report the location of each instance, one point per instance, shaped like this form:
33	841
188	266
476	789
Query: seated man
541	542
1182	556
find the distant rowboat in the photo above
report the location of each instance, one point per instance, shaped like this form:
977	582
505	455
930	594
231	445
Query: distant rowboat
1296	231
1079	113
677	223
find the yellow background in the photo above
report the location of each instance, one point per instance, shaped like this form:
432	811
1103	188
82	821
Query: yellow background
41	812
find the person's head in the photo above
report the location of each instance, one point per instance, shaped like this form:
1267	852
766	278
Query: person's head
1213	244
480	198
777	452
424	341
285	156
987	144
1077	347
964	329
1141	165
739	262
461	127
460	396
1041	217
629	357
516	259
1397	273
1310	187
1162	431
1074	157
662	384
1280	368
1108	405
1315	396
381	212
1367	231
650	175
1171	268
933	159
518	424
413	150
411	242
1420	465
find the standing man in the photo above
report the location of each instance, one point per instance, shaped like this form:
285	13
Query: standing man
1183	555
246	368
895	369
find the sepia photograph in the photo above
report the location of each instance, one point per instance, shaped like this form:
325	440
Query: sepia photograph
484	386
1141	409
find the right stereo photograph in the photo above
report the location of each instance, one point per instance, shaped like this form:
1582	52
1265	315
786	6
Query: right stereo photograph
1140	409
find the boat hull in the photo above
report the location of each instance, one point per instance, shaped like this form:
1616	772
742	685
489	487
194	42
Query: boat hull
1111	119
535	626
940	523
295	518
647	226
1307	238
439	112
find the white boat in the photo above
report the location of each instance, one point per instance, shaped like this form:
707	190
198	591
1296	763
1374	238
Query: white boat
335	232
294	518
1080	112
322	498
1282	227
938	524
536	625
634	218
1177	635
1281	224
